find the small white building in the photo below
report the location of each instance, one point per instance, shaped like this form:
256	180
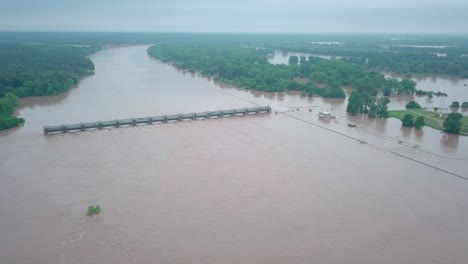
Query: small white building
326	115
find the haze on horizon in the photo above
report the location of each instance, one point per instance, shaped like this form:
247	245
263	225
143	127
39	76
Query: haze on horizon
241	16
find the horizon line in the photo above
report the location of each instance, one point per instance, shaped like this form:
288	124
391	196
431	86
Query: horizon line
238	33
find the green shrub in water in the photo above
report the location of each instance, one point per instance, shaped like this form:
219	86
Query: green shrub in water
93	210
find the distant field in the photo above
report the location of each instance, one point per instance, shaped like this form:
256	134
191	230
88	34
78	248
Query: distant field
431	118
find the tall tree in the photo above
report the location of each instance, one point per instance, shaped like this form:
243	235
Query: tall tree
382	107
419	123
455	104
452	124
354	103
293	60
408	120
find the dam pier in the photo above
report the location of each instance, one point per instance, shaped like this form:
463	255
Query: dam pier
155	119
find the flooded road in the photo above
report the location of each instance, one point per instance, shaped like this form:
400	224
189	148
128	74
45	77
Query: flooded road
274	188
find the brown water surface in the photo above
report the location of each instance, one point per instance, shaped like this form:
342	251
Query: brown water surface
274	188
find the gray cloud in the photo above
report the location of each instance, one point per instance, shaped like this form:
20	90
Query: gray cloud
294	16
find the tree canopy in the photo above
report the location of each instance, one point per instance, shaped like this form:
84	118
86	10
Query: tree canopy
8	104
249	68
408	120
452	123
455	104
35	70
392	58
413	105
419	123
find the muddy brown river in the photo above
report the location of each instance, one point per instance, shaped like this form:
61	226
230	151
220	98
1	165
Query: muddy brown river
273	188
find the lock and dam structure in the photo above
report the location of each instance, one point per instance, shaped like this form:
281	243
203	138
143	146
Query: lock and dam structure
156	119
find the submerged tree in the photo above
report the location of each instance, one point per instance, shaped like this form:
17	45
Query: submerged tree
354	103
455	104
382	107
378	109
408	120
413	105
419	123
387	91
406	86
334	91
93	210
452	124
7	108
372	110
293	60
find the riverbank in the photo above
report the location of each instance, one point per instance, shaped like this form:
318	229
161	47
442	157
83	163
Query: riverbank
38	70
431	118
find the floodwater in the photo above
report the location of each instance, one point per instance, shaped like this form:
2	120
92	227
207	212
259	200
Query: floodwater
281	57
273	188
455	88
326	43
425	46
439	54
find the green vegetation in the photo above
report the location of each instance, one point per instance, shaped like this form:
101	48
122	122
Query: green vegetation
244	67
370	54
41	70
453	123
413	105
407	120
373	52
93	210
293	60
333	91
382	107
406	86
7	107
431	119
378	109
49	69
354	103
464	105
36	71
430	93
455	104
405	63
419	123
249	68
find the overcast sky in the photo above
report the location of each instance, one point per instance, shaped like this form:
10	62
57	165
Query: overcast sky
268	16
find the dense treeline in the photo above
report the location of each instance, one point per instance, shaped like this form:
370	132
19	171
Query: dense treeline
244	67
405	63
249	68
41	70
36	70
398	60
8	104
396	53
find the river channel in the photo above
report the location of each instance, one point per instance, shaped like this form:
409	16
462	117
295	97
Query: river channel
282	187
